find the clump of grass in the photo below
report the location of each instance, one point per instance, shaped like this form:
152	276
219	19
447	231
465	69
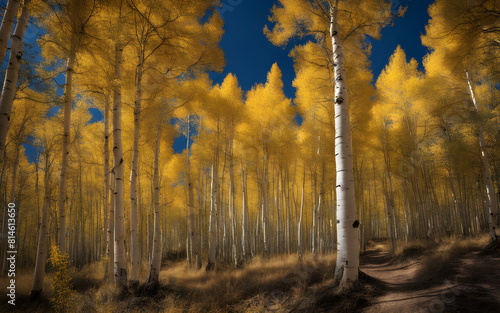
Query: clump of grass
441	262
413	250
89	276
350	297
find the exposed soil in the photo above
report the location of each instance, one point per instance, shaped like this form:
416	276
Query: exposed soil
474	286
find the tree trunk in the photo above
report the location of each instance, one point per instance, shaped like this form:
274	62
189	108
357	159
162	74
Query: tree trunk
41	255
111	226
68	98
120	257
347	222
299	224
213	216
192	226
134	243
243	199
11	74
200	222
155	265
7	21
232	212
106	187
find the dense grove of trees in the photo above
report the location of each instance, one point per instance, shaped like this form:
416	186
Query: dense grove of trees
414	154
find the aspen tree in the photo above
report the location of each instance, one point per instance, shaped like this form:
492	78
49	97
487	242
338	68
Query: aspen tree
120	271
155	265
323	16
41	256
7	21
67	27
11	74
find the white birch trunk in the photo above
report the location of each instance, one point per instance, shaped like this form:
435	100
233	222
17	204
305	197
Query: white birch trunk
155	265
41	255
111	224
11	76
106	171
347	222
192	224
232	212
68	98
243	197
134	243
299	224
265	202
8	19
213	216
120	257
492	199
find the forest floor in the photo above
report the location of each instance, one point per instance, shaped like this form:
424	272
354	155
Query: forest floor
456	278
450	276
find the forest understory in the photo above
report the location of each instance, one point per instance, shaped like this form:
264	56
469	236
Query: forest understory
453	275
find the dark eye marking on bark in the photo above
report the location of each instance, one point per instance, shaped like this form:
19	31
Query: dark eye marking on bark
355	224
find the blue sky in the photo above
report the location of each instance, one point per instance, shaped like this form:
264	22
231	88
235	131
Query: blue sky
249	55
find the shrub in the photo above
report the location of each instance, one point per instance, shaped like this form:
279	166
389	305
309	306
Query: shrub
63	294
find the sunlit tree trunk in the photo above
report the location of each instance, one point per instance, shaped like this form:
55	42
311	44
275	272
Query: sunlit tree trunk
265	200
243	207
11	75
200	221
68	99
347	222
111	224
155	265
41	255
7	21
134	243
492	199
232	211
213	216
299	224
106	187
192	226
120	256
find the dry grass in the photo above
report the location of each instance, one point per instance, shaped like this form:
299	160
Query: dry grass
263	284
412	250
278	284
440	262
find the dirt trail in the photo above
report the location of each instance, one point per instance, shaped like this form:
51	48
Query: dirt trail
475	287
